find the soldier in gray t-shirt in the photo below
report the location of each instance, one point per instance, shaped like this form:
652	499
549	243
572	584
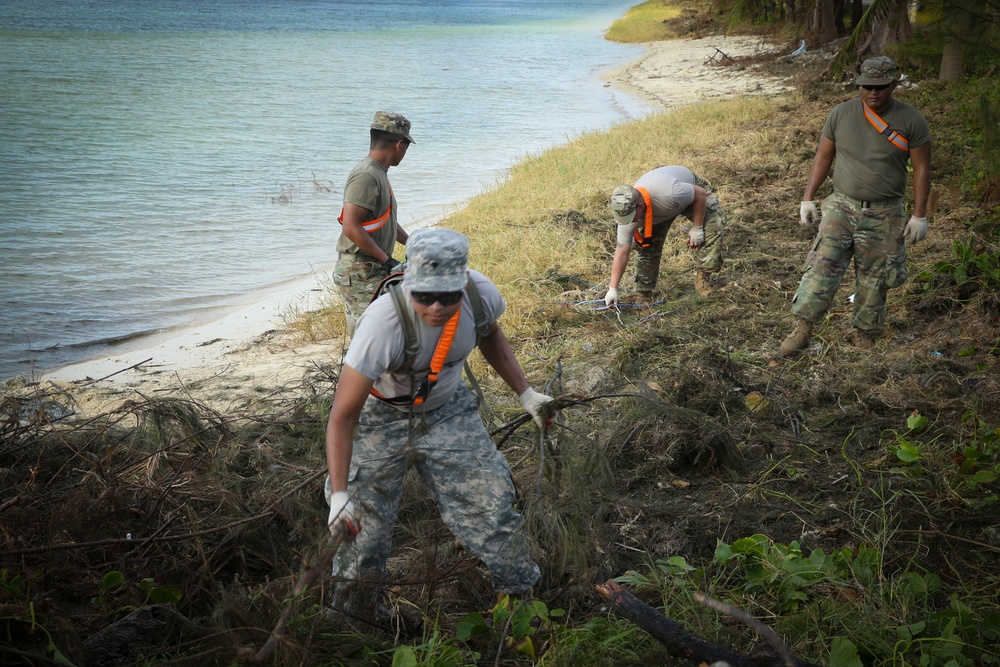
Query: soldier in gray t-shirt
386	419
644	213
872	138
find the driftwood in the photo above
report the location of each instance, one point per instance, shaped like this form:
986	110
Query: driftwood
682	643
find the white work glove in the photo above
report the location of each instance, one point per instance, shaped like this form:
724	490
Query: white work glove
916	229
342	512
696	237
808	213
537	405
611	298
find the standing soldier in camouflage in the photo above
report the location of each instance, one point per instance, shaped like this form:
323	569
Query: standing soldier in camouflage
377	430
370	229
872	138
644	213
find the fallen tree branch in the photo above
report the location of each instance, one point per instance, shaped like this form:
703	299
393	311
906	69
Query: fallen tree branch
678	640
762	629
309	576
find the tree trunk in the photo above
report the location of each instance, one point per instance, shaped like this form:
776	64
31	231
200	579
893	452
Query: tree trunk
952	60
826	27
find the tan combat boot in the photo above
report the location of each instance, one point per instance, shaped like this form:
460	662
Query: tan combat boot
702	284
865	340
798	339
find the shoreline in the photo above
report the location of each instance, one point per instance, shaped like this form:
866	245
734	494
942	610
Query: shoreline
685	71
249	350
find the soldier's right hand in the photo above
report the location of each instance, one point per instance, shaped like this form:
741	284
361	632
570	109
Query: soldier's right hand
611	298
342	513
808	213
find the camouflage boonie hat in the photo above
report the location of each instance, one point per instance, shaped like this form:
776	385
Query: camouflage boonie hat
393	123
877	71
624	201
436	261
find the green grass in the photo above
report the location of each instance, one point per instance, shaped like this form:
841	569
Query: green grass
645	22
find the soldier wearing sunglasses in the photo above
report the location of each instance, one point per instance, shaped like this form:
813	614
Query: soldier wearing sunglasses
872	138
385	420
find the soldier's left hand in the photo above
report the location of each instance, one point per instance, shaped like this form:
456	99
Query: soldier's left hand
390	265
916	229
696	237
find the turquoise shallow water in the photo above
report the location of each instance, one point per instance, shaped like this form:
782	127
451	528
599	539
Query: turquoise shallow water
157	160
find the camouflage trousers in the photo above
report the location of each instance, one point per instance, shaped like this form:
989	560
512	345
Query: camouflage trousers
356	281
873	237
707	257
466	476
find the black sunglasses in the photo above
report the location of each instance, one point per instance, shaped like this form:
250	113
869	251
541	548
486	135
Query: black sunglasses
881	87
444	298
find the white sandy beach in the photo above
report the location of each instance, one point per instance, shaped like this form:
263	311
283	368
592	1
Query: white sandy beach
249	352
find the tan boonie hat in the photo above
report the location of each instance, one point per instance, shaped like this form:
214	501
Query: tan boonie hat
437	260
393	123
877	71
624	201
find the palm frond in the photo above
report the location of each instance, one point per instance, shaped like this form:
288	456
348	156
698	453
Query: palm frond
880	15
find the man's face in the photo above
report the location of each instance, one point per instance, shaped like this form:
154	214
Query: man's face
399	151
436	313
878	97
640	210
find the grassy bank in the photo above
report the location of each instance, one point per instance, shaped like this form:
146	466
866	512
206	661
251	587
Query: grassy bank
847	497
646	22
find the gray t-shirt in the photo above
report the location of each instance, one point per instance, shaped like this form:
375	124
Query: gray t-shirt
671	191
867	166
368	187
378	346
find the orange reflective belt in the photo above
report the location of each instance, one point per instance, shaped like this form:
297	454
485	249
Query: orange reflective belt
376	224
882	127
643	239
437	363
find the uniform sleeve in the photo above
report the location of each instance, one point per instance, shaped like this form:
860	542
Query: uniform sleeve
625	233
362	190
378	342
493	304
683	194
920	132
830	126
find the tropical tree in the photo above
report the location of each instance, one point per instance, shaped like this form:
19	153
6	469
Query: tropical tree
962	26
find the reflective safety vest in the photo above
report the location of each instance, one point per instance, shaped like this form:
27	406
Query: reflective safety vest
373	225
393	285
882	127
647	231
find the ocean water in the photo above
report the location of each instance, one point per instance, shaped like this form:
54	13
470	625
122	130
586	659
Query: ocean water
162	160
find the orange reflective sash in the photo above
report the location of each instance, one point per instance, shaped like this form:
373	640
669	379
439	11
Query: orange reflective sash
376	224
437	363
882	127
643	239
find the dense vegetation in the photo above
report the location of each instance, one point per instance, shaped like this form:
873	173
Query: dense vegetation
847	497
